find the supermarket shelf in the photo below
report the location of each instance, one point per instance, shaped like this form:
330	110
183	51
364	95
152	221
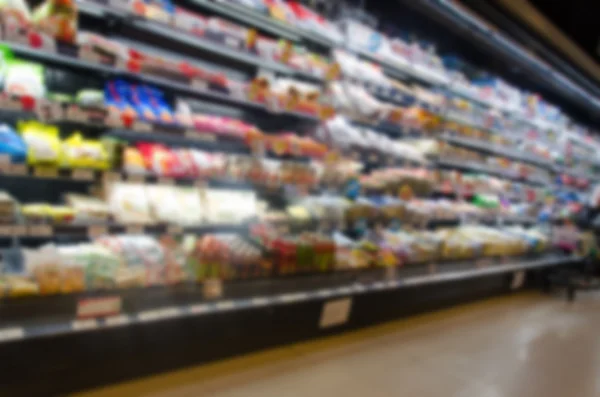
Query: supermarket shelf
251	18
181	88
485	169
488	147
204	44
453	14
264	22
258	300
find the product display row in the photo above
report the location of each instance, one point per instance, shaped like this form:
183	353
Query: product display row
159	145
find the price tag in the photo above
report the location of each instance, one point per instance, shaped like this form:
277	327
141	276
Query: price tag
335	313
7	334
432	268
201	85
134	178
134	229
95	231
83	325
18	169
45	172
19	230
174	229
200	136
83	175
6	230
5	161
142	126
112	177
166	181
117	321
40	230
212	289
99	307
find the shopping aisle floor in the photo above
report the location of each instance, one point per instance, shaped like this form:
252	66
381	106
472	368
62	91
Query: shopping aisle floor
521	346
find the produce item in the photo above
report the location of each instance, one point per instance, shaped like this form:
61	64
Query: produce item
129	204
43	143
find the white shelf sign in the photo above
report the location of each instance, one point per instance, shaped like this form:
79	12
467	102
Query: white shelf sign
336	312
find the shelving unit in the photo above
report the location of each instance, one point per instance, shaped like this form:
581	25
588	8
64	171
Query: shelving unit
225	103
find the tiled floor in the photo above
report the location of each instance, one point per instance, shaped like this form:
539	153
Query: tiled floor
522	346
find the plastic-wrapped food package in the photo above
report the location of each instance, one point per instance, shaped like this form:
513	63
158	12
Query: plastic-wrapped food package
74	262
84	153
142	259
88	209
12	145
128	203
24	79
176	205
44	264
43	143
230	206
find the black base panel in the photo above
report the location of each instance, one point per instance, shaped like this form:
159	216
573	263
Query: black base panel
67	363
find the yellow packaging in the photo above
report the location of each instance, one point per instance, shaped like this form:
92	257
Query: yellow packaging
84	153
43	143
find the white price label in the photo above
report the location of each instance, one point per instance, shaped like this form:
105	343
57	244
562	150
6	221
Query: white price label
83	175
259	302
99	307
225	305
8	334
95	231
142	126
200	136
19	230
199	309
135	178
335	313
112	177
199	84
117	321
166	181
40	230
174	229
18	169
84	325
6	230
212	289
134	229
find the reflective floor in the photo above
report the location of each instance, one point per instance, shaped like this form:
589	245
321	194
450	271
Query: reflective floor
526	345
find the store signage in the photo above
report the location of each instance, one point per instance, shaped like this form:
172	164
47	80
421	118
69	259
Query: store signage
99	307
335	313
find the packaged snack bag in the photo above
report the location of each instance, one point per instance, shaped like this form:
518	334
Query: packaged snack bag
12	144
84	153
128	203
43	143
133	161
45	266
88	209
